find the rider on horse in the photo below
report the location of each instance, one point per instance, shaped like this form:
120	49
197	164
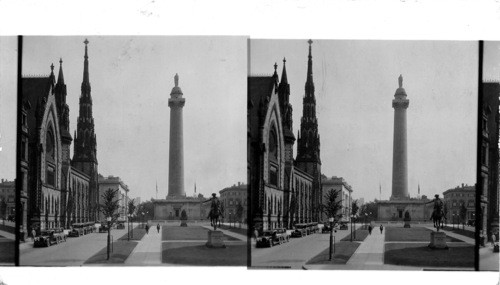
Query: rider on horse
437	213
215	210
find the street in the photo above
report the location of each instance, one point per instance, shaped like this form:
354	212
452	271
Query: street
296	253
74	252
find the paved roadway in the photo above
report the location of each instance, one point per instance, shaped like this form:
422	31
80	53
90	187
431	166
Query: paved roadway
74	252
296	253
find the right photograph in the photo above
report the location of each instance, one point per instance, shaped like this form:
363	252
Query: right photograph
362	154
488	192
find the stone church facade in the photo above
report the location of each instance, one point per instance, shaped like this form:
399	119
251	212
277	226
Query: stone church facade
57	190
283	190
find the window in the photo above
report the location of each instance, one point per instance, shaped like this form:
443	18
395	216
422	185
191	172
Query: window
273	145
50	176
273	175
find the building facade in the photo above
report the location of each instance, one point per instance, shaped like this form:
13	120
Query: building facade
116	184
284	191
231	199
454	199
488	187
56	190
345	195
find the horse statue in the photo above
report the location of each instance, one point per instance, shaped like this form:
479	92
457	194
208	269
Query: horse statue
215	211
438	214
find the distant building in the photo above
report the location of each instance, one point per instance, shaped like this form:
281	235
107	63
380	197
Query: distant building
7	196
115	183
338	184
455	198
230	198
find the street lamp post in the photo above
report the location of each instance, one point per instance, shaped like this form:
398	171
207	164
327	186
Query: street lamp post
331	238
108	219
128	227
142	219
352	216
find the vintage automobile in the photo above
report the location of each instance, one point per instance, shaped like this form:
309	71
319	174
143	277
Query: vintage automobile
59	232
312	228
89	227
282	235
300	230
328	227
267	239
78	229
120	224
47	238
104	227
343	226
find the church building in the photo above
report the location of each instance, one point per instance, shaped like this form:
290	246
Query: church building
283	190
57	190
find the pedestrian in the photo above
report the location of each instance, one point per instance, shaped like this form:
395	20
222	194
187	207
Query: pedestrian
493	240
370	229
33	234
381	228
147	229
158	227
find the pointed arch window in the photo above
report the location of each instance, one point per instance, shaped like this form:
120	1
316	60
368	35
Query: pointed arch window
50	155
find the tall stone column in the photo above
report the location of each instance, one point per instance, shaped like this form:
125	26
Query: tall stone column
176	151
399	156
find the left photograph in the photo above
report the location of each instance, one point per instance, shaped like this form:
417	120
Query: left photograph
134	151
8	91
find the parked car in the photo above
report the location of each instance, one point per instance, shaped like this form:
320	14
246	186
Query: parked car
78	229
47	238
327	227
312	227
120	225
61	234
300	230
89	227
267	239
283	235
343	226
471	222
104	227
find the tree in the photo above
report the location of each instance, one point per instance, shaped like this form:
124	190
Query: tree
3	209
445	212
354	208
147	208
332	206
131	207
239	212
369	209
109	208
463	214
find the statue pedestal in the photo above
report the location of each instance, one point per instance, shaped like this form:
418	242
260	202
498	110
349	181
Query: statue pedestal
438	240
215	239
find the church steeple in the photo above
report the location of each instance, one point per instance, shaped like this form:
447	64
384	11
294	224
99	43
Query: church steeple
308	149
85	140
62	107
86	80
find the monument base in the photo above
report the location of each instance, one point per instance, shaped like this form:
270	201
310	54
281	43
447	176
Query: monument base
438	240
215	239
407	224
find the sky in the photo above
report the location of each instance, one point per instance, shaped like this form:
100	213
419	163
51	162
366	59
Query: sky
355	84
491	61
131	80
8	105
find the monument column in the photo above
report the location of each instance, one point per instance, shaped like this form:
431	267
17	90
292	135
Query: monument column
176	148
399	156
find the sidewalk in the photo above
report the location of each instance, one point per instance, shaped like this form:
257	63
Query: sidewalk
148	250
370	252
488	260
229	233
454	235
7	235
